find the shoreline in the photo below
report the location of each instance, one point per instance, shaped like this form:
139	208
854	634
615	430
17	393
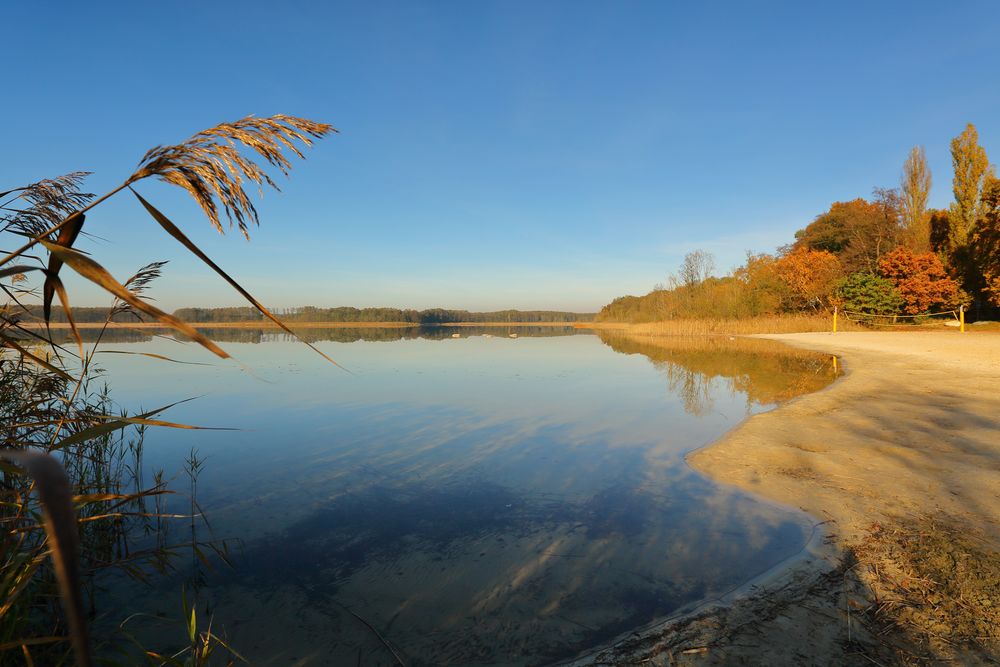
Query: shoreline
925	377
683	632
909	431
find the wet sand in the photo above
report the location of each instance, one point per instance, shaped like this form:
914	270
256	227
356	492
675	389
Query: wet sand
913	429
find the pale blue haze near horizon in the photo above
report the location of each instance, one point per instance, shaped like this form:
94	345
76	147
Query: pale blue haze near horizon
494	155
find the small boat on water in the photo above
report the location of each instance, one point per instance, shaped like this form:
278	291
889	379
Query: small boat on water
456	335
513	335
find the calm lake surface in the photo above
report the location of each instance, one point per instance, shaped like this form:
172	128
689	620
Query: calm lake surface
476	500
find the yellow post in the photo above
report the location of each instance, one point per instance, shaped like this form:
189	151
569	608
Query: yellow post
834	319
961	319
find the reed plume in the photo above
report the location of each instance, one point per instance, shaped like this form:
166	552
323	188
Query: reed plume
52	214
210	167
48	202
138	284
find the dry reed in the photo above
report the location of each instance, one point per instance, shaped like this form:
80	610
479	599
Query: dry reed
51	213
209	166
737	327
49	202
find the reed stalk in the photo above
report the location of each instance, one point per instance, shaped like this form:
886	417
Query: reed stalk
70	444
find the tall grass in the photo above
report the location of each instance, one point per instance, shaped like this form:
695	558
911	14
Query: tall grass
737	327
75	491
98	478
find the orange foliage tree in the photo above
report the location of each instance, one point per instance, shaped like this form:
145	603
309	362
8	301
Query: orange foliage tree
809	277
858	232
921	280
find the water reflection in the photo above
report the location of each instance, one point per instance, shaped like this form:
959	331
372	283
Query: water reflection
766	372
476	501
347	334
473	573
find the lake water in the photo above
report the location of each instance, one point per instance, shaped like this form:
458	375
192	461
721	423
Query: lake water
480	500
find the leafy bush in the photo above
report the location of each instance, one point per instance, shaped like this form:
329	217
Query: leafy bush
868	294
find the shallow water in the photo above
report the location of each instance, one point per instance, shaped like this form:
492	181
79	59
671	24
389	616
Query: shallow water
479	500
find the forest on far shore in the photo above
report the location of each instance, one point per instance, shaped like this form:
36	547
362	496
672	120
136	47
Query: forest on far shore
314	314
350	314
889	256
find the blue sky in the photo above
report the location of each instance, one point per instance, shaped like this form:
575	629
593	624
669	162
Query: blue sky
494	155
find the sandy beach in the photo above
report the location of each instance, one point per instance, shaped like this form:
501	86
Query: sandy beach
910	436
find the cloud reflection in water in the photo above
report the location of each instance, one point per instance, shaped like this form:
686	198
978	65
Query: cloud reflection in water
480	501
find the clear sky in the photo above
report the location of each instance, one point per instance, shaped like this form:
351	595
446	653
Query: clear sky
494	155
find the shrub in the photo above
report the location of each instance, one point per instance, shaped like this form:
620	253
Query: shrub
868	294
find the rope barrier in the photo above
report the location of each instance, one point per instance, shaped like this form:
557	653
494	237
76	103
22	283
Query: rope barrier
953	313
870	319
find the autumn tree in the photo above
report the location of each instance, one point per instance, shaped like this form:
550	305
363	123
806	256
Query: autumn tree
921	280
858	232
763	289
809	277
971	171
985	242
914	190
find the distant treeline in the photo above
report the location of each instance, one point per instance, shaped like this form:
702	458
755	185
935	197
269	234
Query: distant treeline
33	312
313	314
349	314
